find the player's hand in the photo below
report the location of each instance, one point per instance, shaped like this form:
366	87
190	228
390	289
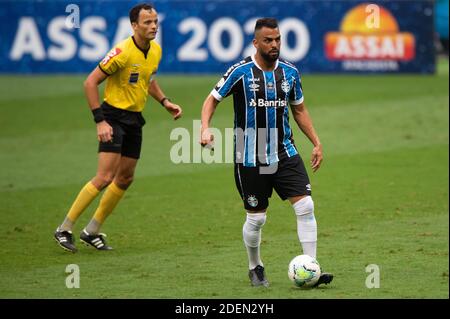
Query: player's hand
316	157
104	132
206	138
173	109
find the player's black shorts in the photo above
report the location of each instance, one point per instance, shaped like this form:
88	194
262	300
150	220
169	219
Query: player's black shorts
290	179
127	131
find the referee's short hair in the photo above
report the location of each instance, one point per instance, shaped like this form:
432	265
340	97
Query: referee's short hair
270	23
134	12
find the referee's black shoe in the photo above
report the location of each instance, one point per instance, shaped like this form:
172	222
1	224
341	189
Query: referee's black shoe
95	240
64	239
325	278
258	277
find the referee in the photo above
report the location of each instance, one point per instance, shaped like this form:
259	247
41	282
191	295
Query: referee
129	69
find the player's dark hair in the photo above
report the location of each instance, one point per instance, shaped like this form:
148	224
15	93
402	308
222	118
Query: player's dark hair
270	23
134	12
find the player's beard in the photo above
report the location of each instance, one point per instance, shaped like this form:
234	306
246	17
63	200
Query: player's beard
270	57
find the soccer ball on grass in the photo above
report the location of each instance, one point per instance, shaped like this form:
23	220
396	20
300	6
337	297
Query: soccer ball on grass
304	271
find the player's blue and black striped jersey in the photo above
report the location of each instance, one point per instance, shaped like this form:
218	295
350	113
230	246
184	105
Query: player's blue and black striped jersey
261	113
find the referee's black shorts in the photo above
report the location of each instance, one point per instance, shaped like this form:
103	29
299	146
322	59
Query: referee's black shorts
127	131
290	179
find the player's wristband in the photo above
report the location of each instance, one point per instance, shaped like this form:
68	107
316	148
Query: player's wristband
98	115
163	100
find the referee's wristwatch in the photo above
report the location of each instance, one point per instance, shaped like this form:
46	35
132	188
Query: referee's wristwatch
164	99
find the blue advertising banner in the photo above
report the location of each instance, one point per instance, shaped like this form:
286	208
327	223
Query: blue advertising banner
207	36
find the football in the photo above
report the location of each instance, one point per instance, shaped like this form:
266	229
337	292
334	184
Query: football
304	271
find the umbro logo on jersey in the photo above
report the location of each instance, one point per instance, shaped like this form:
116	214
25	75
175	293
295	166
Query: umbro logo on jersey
264	103
254	87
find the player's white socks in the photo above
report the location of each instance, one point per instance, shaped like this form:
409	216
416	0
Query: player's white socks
252	237
306	225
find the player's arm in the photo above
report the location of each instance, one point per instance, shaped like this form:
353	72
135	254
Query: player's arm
208	109
223	88
304	122
104	130
155	91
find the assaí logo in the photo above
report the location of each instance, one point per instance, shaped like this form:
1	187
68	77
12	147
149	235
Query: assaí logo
369	45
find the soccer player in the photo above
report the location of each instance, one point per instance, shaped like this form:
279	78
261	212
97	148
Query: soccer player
266	158
129	69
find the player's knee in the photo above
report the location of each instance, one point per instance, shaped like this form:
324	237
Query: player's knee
103	180
124	181
304	206
257	219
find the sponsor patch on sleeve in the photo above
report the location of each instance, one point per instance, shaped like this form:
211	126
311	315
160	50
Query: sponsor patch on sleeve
110	55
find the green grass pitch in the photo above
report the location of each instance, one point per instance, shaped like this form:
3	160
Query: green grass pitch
381	196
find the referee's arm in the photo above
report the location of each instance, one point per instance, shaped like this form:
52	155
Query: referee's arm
97	76
91	84
155	91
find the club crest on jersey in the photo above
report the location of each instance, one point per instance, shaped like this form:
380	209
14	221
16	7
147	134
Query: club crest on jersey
252	200
285	86
110	55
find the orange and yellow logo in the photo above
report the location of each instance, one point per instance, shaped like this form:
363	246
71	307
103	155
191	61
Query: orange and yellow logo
110	55
362	39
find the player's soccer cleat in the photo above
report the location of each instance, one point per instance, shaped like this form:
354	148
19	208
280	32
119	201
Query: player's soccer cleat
97	240
325	278
257	276
65	240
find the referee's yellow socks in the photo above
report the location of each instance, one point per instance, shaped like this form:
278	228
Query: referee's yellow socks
108	202
84	198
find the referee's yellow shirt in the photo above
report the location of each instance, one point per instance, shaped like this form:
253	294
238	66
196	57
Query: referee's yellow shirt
129	70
